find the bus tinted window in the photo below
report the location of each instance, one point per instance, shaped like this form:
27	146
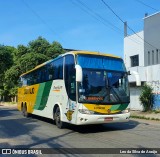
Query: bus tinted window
51	71
70	81
58	69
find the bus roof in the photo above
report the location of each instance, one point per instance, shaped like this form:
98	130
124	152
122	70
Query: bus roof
94	53
75	53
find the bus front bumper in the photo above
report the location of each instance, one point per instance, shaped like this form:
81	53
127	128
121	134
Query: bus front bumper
84	119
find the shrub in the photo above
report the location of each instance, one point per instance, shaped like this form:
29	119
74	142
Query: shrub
146	97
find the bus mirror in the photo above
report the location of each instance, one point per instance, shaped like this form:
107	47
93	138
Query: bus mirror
78	73
128	73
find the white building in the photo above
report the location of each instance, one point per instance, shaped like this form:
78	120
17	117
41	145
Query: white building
143	56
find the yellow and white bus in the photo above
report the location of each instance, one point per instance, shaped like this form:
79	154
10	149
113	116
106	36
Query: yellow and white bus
78	87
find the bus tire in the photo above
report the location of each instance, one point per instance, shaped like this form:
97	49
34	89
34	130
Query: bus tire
58	121
24	111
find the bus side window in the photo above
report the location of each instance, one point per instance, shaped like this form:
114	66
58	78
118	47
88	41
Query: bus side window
58	69
70	81
28	80
21	82
51	70
43	77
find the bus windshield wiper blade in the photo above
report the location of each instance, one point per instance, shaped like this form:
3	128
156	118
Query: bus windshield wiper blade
116	95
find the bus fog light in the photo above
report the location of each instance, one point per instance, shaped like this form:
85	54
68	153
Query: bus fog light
126	110
85	111
81	119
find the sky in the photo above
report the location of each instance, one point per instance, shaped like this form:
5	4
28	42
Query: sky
76	24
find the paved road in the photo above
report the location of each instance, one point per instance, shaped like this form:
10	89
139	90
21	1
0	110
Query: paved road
35	132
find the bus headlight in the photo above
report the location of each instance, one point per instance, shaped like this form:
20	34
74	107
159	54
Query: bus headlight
85	111
126	110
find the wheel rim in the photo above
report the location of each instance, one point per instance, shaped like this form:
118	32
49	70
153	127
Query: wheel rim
23	111
58	117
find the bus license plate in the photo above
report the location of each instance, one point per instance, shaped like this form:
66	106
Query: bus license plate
108	119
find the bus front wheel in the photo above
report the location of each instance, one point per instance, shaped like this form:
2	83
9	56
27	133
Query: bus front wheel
58	121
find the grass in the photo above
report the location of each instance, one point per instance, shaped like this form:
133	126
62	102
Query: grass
143	117
156	111
152	111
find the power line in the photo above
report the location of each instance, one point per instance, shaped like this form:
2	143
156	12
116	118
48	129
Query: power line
99	18
39	17
147	5
96	16
127	25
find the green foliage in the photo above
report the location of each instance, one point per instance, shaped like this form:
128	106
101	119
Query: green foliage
11	78
146	97
6	59
13	91
39	45
15	61
54	50
30	60
21	50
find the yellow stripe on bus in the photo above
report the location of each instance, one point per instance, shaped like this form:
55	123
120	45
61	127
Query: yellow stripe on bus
98	108
28	95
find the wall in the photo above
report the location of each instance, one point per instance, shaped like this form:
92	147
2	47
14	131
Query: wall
149	73
152	36
133	45
134	99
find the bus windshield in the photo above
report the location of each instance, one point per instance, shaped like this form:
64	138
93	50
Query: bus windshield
105	80
103	87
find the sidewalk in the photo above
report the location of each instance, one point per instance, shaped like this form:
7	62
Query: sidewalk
145	115
5	104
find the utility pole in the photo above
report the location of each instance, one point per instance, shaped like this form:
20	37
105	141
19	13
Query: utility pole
125	29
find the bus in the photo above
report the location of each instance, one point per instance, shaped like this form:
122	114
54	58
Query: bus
78	87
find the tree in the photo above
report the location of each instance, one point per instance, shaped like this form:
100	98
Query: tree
146	97
54	50
11	76
6	61
30	60
40	45
15	61
21	50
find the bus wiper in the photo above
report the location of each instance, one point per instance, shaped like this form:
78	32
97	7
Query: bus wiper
108	88
117	95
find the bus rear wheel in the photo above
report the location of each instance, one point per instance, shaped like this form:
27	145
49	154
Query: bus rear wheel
24	111
58	121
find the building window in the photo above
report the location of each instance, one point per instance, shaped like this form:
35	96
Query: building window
153	58
134	60
149	63
157	56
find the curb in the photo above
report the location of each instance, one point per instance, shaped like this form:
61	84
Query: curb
8	105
